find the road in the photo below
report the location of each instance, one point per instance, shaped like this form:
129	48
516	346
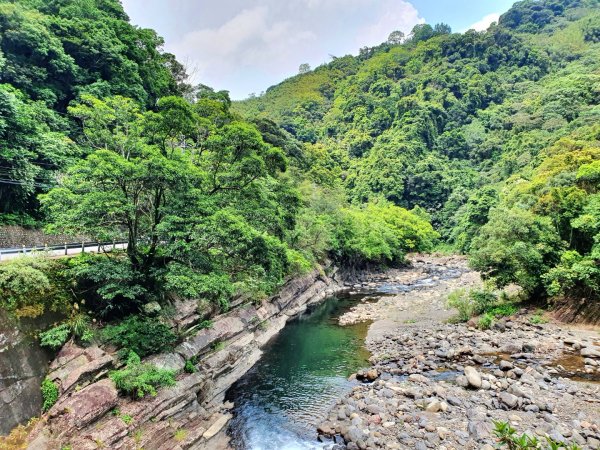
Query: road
60	250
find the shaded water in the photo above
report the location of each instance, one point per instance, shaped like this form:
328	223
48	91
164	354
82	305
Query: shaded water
302	373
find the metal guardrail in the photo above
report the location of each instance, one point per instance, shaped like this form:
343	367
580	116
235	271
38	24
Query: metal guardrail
65	249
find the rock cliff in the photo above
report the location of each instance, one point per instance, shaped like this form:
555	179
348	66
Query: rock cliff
192	414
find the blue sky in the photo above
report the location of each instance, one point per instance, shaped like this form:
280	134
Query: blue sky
245	46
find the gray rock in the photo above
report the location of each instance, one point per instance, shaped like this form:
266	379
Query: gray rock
509	400
511	348
462	381
473	377
169	361
590	352
505	365
355	434
517	391
479	430
454	401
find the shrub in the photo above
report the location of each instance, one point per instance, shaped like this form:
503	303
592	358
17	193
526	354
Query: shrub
49	394
538	318
205	324
503	310
180	434
484	300
144	336
113	287
138	380
474	302
190	366
485	322
78	326
461	301
31	286
55	337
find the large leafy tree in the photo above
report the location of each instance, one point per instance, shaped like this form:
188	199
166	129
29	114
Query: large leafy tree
162	180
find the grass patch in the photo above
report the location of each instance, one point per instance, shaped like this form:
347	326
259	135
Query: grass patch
180	434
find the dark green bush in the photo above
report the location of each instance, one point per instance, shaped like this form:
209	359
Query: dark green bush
138	380
190	366
49	394
78	325
142	335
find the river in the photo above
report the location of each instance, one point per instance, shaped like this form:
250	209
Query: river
302	373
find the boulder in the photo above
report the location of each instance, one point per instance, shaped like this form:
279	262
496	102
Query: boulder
590	352
473	377
367	376
508	399
169	361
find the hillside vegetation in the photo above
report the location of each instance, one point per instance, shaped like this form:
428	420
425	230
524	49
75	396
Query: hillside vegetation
101	136
494	134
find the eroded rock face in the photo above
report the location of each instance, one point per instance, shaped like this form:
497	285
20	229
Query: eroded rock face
193	410
73	413
23	365
75	367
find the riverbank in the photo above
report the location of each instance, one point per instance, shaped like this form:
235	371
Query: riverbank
90	414
441	385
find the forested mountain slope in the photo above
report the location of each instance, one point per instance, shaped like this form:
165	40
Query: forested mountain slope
51	52
496	134
100	136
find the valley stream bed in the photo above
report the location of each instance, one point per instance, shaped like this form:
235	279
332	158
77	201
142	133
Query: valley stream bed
301	374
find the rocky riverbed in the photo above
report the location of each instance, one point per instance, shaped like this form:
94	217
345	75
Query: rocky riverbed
438	385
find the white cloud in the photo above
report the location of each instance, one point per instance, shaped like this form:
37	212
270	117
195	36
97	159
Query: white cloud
485	22
392	15
246	45
250	38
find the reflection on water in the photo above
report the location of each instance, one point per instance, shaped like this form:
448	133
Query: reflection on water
303	371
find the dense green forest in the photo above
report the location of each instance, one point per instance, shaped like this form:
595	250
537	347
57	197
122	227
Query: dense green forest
485	143
103	137
494	134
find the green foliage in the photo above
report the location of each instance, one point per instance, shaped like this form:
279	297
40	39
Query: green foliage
190	366
486	321
55	337
508	438
30	286
195	193
127	419
141	335
516	247
139	380
494	134
503	310
180	434
461	301
49	394
205	324
50	55
474	302
538	318
491	136
78	326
